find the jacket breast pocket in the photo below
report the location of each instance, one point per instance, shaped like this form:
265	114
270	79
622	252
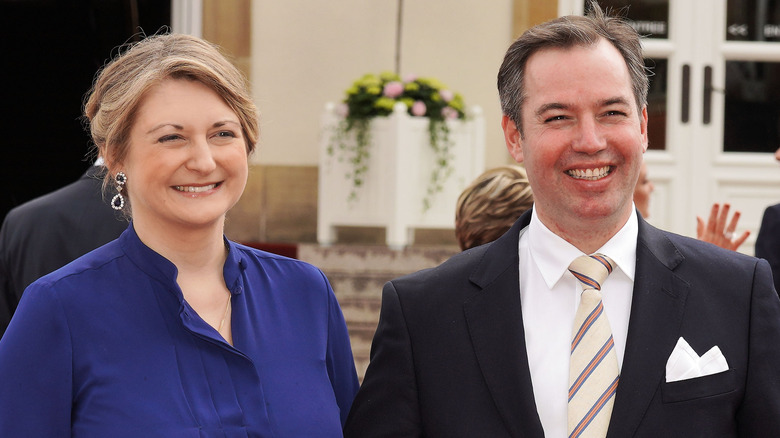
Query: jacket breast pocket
699	387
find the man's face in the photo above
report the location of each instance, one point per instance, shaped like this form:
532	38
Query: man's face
583	137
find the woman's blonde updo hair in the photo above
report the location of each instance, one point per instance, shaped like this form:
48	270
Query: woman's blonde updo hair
120	86
491	204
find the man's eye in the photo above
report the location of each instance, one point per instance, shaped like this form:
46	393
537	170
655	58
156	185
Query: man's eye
554	118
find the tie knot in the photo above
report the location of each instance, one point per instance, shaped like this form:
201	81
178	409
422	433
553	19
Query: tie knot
591	270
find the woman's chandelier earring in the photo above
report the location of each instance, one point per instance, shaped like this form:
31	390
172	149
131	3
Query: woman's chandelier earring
118	201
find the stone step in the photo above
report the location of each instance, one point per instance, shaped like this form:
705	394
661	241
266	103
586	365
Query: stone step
362	317
357	274
364	285
360	310
362	259
360	336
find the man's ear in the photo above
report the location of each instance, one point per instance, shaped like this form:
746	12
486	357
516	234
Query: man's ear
643	127
514	144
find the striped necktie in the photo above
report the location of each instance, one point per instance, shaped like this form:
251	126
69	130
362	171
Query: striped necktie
593	367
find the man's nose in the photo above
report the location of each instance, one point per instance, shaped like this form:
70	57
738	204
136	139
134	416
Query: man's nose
590	138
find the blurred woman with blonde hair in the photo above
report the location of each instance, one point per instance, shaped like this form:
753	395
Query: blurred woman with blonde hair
489	206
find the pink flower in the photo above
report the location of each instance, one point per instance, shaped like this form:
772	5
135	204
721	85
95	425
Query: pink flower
393	89
449	112
410	78
342	110
446	95
419	108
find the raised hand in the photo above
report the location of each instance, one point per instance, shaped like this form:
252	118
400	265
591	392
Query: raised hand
716	231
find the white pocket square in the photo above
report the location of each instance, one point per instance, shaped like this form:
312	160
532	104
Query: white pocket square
685	364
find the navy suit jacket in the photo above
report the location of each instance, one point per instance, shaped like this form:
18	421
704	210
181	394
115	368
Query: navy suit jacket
449	360
768	241
50	231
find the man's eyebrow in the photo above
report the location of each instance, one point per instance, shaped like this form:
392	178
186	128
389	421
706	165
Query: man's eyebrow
550	106
614	101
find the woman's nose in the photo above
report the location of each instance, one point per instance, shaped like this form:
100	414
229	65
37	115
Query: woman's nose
201	158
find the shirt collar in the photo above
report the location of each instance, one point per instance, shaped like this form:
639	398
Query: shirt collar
165	272
552	254
145	258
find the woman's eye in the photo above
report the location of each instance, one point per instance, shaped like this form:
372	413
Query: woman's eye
166	138
226	134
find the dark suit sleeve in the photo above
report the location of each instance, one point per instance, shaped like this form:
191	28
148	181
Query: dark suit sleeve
759	414
387	403
5	306
7	301
768	241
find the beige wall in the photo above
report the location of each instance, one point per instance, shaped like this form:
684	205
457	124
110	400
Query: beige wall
235	39
306	53
527	13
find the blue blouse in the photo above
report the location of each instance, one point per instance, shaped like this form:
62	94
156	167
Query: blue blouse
108	347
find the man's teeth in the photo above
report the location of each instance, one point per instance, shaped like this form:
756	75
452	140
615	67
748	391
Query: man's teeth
591	174
193	189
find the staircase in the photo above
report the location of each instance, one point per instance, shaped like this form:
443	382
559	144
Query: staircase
357	274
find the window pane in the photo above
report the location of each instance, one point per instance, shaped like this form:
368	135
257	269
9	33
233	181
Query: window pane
753	20
649	17
752	113
656	103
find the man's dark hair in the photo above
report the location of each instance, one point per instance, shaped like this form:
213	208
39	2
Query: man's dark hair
566	32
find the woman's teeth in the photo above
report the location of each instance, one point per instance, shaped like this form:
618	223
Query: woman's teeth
193	189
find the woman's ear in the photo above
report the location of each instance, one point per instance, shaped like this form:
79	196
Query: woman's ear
108	161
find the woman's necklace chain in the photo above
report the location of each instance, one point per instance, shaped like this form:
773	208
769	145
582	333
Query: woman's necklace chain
227	309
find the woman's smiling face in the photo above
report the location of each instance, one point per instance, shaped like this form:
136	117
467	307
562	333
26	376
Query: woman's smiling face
187	163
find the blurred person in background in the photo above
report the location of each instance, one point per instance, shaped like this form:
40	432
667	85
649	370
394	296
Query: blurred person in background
489	206
768	239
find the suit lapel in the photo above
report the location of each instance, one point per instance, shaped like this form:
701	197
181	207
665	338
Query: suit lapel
495	325
654	327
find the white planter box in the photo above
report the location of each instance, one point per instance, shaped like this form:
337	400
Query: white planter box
399	172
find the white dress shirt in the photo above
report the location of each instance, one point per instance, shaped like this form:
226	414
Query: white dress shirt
550	295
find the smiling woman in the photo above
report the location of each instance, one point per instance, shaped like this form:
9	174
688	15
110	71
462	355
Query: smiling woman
189	169
173	330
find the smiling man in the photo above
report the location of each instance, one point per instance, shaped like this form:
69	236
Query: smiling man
520	338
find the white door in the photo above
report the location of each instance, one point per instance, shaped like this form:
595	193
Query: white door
714	106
